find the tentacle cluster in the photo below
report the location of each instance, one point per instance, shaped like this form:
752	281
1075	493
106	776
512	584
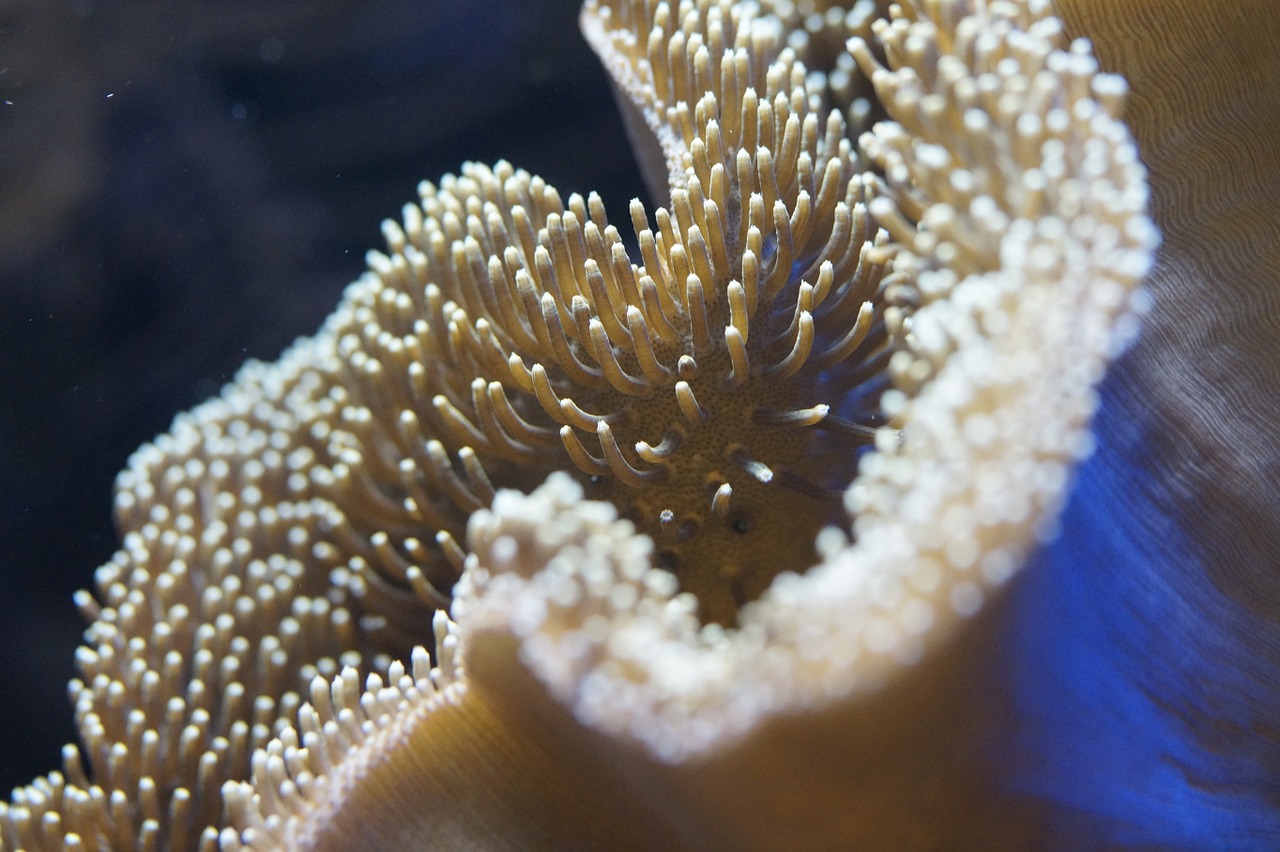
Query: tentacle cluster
686	385
301	771
234	587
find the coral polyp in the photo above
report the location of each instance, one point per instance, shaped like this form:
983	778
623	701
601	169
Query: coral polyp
701	390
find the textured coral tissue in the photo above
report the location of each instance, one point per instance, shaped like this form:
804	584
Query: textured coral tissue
895	471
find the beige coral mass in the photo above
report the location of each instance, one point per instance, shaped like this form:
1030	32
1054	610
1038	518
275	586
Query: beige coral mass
1015	242
693	534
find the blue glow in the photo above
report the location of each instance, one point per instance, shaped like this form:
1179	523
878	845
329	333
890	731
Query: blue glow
1134	704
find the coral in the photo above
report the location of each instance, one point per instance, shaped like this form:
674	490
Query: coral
802	438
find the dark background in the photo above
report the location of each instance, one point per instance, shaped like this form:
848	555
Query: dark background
184	185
